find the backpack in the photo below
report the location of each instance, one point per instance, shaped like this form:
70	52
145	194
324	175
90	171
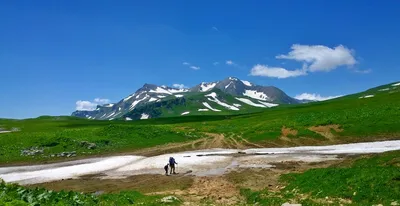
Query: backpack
171	161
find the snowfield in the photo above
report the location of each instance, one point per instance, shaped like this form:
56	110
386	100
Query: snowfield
366	96
200	162
144	116
207	86
249	102
203	110
397	84
209	107
256	95
178	95
216	100
185	113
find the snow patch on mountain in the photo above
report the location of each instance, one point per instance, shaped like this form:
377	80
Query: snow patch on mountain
366	96
249	102
268	104
247	83
214	98
237	105
228	85
161	96
203	110
108	105
160	90
153	99
185	113
204	87
178	95
128	119
133	105
385	89
256	95
144	116
209	107
173	91
397	84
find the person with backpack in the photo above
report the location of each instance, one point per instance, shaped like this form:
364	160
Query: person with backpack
172	163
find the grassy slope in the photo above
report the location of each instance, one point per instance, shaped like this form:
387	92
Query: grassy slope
367	181
15	195
360	118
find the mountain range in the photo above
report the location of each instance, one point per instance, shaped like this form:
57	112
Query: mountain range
228	96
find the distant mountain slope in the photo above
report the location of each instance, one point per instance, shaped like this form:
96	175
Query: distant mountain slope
228	96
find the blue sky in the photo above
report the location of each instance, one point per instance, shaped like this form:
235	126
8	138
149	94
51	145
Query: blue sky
54	53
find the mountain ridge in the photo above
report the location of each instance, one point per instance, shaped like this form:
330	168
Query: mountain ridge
228	94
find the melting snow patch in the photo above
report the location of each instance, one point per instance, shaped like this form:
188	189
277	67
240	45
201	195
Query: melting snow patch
367	96
237	105
179	95
209	107
256	95
160	90
152	99
133	105
203	110
214	99
108	105
247	83
382	90
268	104
207	86
128	119
185	113
161	96
249	102
201	162
397	84
144	116
177	90
228	85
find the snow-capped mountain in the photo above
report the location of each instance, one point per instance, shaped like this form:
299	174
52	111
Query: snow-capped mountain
230	95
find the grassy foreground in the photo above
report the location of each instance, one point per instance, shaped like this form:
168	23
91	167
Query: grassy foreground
367	181
358	119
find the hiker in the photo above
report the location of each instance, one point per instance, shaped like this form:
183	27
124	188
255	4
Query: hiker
172	164
166	169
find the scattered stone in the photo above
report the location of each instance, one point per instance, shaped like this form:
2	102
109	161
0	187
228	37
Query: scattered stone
394	203
32	151
169	199
289	204
88	145
65	154
97	193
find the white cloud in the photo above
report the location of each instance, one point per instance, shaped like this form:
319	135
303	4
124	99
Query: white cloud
229	62
215	63
215	28
314	97
319	57
101	101
179	86
84	105
276	72
191	66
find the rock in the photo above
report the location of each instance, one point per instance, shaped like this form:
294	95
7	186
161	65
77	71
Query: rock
169	199
394	203
289	204
32	151
88	145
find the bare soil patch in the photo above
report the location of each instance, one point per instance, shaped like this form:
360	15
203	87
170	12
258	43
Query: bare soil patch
326	130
